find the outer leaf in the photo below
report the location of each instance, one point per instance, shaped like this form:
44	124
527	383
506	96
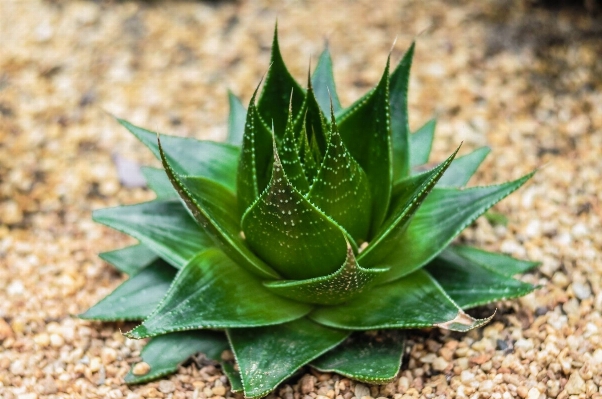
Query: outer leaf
135	298
236	120
157	180
165	353
233	377
421	143
323	82
462	169
499	263
444	214
414	301
290	233
164	226
400	128
347	282
274	100
365	357
213	292
216	161
130	260
267	356
290	158
366	131
471	284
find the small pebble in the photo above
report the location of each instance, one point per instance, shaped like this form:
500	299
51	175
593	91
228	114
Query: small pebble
141	368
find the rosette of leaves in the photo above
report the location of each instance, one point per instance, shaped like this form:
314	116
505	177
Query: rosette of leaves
313	226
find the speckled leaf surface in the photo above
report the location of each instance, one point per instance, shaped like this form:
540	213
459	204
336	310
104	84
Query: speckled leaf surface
164	226
312	122
421	143
499	263
366	357
130	260
158	182
267	356
323	83
164	354
211	291
136	297
236	120
461	170
289	153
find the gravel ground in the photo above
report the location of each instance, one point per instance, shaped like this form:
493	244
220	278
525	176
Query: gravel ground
526	81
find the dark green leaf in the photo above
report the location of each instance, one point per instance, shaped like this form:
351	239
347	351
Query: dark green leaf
157	180
236	120
400	129
290	233
414	301
366	132
323	82
421	143
216	161
442	216
267	356
312	122
462	169
165	353
347	282
136	297
471	284
500	263
290	157
130	260
213	292
164	226
233	376
366	357
308	158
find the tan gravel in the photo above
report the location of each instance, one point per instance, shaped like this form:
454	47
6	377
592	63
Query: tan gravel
526	81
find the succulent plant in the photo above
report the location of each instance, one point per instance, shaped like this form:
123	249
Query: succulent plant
312	227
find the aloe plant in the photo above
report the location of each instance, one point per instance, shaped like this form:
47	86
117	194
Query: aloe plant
312	225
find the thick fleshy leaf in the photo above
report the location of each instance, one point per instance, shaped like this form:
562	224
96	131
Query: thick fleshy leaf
267	356
414	301
366	357
214	208
323	82
165	353
408	196
276	94
157	180
307	155
342	191
347	282
236	120
130	260
400	128
164	226
290	157
471	284
312	122
136	297
366	131
462	169
499	263
421	143
291	234
211	291
216	161
442	216
233	376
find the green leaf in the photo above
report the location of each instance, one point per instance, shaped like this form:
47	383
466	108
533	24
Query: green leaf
341	189
442	216
290	233
214	208
408	196
165	353
471	284
499	263
347	282
323	82
216	161
233	376
130	260
366	131
462	169
400	129
415	301
274	100
366	357
213	292
311	122
164	226
290	158
308	158
267	356
157	180
136	297
421	143
236	120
